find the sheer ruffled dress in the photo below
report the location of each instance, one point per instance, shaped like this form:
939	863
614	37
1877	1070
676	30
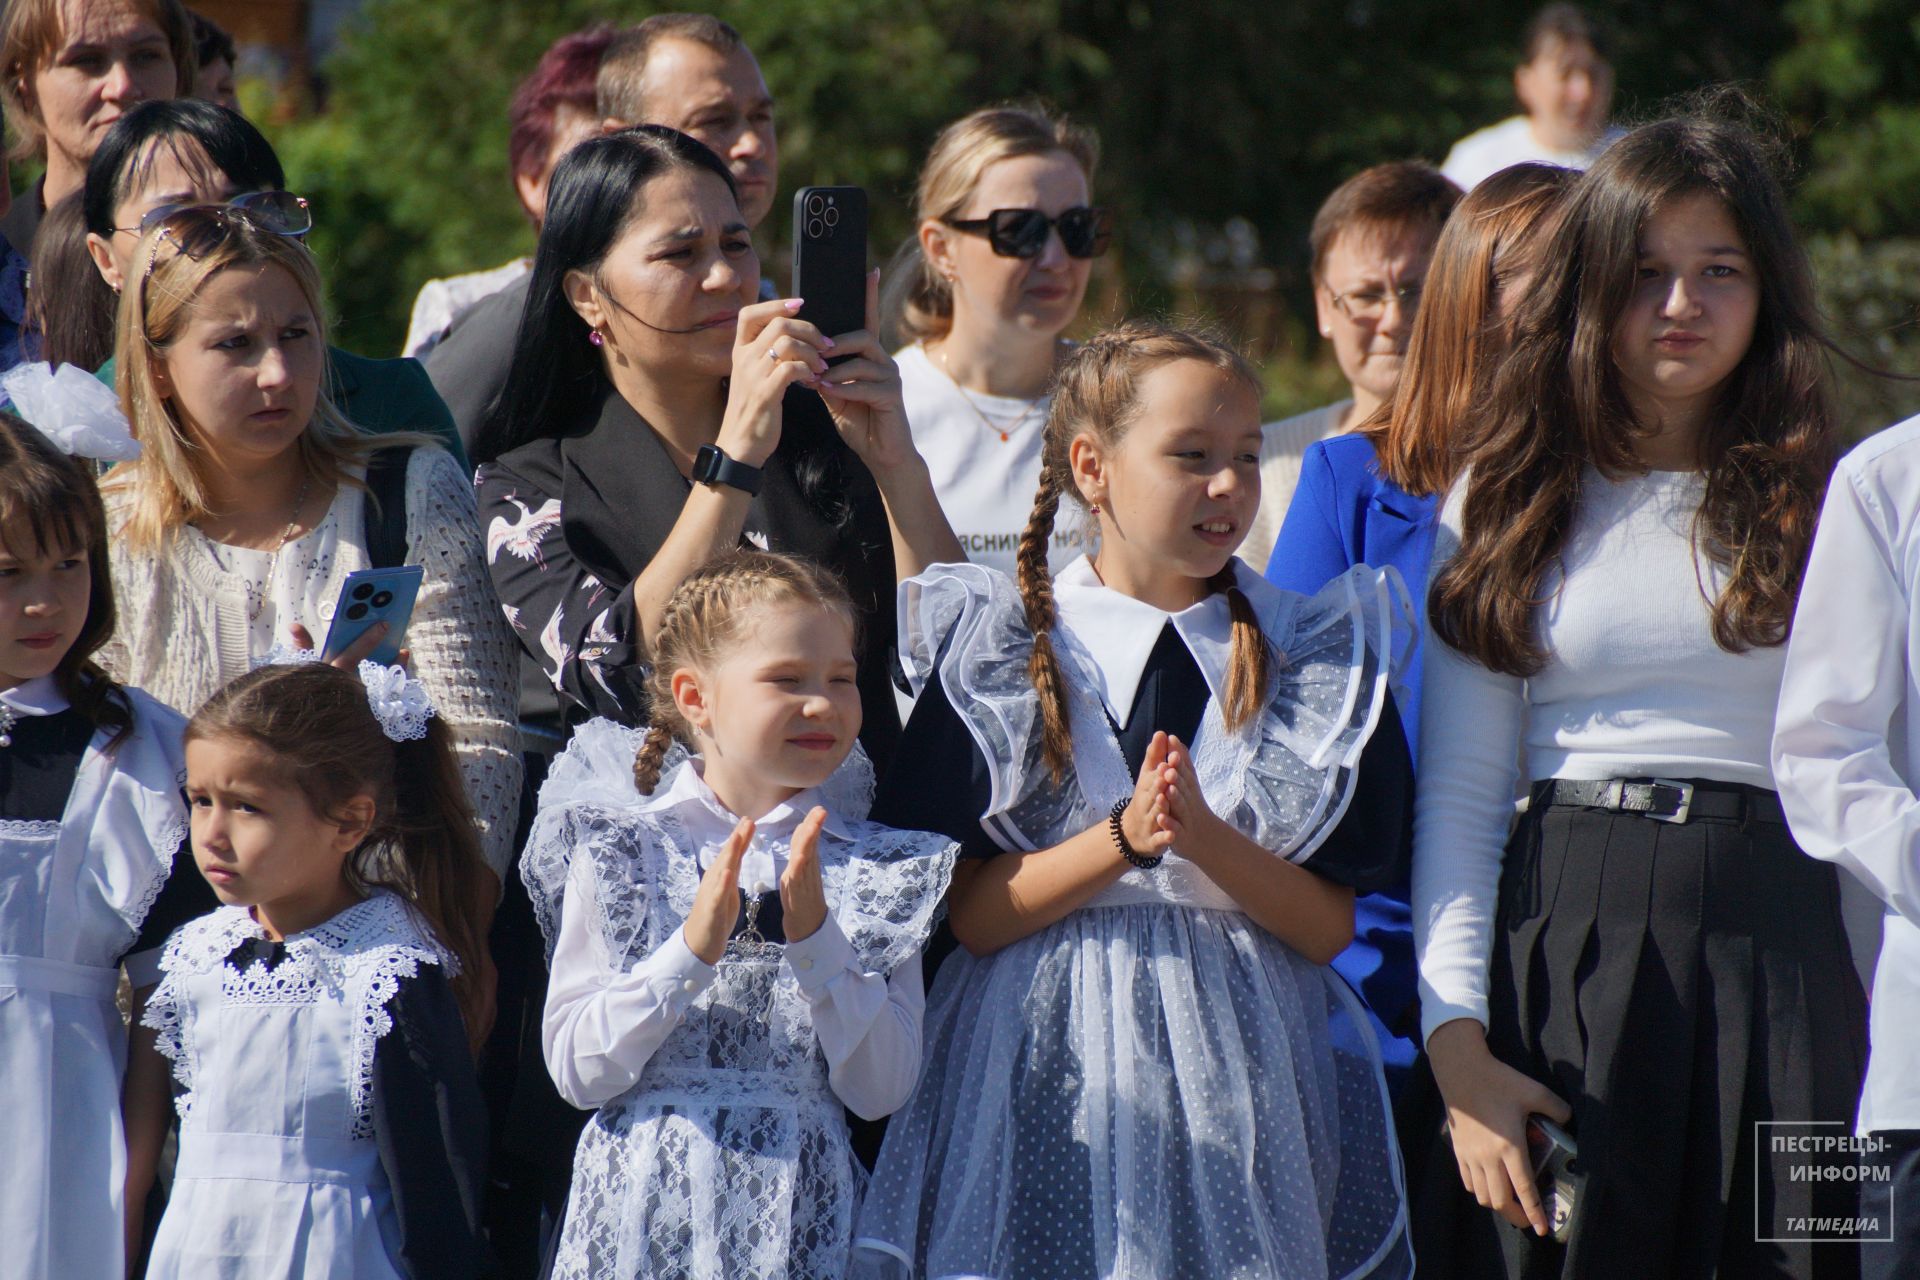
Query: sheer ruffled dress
1153	1087
720	1147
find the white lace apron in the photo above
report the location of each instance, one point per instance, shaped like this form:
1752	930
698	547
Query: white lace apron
279	1174
729	1158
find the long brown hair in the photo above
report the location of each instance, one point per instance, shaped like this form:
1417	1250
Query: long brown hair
1098	391
1557	405
705	614
1492	234
424	846
51	500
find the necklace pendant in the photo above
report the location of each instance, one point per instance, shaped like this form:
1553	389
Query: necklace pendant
1004	437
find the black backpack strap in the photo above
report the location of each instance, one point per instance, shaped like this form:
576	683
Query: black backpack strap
386	507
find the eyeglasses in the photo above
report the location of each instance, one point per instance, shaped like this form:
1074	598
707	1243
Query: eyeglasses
1365	305
198	229
280	212
1022	233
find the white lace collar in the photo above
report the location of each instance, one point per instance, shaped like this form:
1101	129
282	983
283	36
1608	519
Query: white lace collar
37	697
1119	632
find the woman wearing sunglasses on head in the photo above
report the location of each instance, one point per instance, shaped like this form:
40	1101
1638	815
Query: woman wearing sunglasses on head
253	499
162	155
992	278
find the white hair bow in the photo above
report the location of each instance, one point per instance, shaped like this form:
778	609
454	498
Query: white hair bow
72	408
398	701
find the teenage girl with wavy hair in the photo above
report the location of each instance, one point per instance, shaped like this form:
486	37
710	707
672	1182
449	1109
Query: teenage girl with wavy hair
1651	961
1163	774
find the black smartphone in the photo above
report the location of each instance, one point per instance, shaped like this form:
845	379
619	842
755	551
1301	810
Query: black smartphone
1556	1167
830	258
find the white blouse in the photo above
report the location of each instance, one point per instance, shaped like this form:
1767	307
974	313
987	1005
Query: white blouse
603	1025
188	625
1634	686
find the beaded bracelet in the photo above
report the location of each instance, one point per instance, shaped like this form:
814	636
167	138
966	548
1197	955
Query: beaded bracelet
1127	851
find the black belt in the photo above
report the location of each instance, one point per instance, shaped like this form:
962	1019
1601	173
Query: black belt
1669	800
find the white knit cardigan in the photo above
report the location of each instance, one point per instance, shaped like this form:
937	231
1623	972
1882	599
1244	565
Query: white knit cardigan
183	629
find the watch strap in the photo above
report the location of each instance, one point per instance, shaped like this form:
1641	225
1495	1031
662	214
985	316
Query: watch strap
712	466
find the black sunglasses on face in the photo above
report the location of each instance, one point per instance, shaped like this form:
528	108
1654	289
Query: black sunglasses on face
1085	232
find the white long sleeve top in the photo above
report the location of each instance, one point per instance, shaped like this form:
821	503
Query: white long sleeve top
603	1025
1634	686
1846	749
192	619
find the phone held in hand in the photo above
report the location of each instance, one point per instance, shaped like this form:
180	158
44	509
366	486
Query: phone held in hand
370	596
1555	1161
830	258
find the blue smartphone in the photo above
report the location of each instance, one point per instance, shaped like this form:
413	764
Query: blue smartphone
370	596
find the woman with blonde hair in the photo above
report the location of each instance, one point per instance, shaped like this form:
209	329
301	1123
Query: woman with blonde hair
254	499
68	70
994	275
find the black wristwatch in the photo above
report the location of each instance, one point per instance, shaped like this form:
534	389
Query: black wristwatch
711	465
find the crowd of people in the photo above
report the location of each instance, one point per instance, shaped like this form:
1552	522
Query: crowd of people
991	807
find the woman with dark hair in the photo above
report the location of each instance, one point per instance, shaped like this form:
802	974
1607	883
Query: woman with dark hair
655	416
1652	962
163	155
1370	496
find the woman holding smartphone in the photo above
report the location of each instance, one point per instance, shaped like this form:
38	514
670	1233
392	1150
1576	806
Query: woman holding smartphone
1647	958
993	277
253	499
656	415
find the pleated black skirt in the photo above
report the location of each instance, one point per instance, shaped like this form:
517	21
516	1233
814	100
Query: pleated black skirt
1676	984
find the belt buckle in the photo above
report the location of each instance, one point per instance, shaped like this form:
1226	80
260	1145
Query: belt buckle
1686	800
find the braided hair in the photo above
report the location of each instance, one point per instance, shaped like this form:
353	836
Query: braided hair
1097	391
705	615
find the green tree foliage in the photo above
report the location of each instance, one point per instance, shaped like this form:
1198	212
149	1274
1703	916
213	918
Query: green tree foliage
1224	123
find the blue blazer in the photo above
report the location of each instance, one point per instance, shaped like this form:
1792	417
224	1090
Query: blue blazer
1346	513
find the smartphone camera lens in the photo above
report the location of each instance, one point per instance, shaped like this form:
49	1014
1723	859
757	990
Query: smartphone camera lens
355	612
382	600
833	217
814	205
816	228
362	591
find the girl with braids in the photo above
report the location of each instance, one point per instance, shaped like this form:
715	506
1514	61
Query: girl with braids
1647	957
93	860
319	1023
1168	779
735	947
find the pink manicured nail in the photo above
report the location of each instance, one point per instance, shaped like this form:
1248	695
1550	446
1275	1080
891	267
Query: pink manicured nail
794	304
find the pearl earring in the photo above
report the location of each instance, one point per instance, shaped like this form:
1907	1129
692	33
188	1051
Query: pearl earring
594	337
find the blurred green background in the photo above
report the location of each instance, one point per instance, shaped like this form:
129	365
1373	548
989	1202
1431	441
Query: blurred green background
1223	122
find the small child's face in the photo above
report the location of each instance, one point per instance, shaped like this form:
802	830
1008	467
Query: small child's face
1177	491
780	709
44	594
256	837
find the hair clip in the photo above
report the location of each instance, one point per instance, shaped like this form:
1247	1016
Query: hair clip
79	414
398	700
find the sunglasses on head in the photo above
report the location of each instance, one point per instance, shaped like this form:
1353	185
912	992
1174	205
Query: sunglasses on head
1085	231
197	229
280	212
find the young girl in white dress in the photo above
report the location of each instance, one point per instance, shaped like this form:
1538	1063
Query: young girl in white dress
738	948
91	825
1168	779
318	1024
